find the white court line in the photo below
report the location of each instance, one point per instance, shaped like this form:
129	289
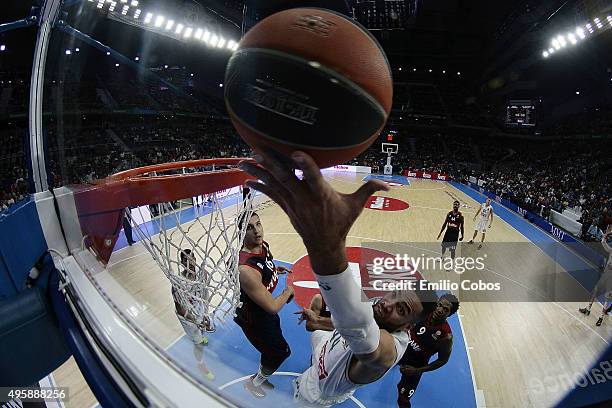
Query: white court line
460	324
287	373
439	209
425	189
534	244
581	322
127	259
467	351
49	381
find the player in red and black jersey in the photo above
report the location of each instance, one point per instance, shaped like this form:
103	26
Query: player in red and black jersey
454	225
432	335
258	315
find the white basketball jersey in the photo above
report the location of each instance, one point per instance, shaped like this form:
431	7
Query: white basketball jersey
485	210
326	382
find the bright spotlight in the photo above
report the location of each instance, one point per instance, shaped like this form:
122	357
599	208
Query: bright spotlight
220	85
413	69
444	71
597	22
572	38
545	54
590	28
221	43
206	36
165	66
555	43
458	73
2	47
117	65
107	52
136	58
188	32
214	40
551	50
609	18
198	34
68	52
577	92
179	28
430	70
169	24
134	3
148	18
159	20
124	1
562	41
231	43
77	49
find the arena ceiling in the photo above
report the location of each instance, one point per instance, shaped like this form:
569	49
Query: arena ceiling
493	43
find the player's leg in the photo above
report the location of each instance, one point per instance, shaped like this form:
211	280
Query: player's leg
453	249
192	330
267	337
482	240
473	236
198	353
604	312
587	310
600	288
406	389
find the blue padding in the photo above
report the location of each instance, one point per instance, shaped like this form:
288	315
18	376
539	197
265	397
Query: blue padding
99	380
30	339
21	244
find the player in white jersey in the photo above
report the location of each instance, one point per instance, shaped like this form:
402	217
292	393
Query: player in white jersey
485	221
368	340
604	285
190	312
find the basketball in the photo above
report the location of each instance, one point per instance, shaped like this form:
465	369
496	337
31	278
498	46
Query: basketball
309	79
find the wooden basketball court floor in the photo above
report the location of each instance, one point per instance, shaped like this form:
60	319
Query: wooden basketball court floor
510	354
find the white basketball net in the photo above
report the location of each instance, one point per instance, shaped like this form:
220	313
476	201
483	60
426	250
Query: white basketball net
201	236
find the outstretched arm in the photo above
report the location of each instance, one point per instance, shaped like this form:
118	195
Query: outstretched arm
323	218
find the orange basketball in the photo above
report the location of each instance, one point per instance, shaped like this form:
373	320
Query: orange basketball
309	79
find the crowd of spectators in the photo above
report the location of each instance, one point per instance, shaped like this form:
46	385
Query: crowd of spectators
159	125
538	176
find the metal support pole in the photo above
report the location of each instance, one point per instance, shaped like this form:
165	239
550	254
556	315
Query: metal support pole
48	15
